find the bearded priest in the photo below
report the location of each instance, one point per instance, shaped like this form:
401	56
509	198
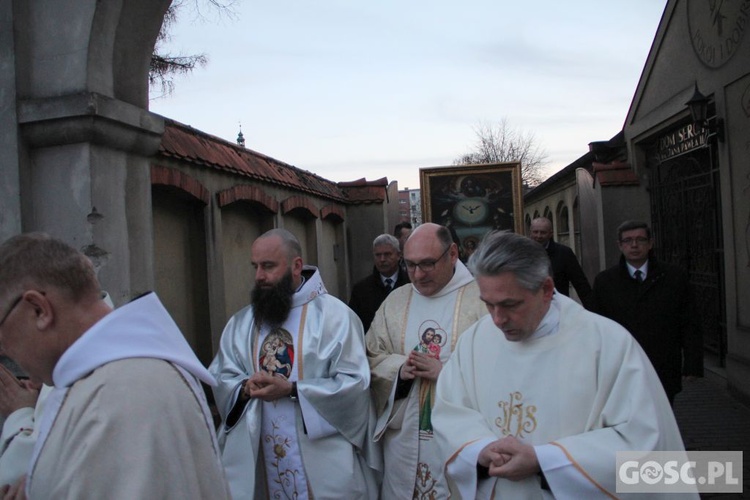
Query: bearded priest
293	386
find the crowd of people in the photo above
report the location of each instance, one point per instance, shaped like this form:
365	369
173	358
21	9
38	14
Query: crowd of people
438	379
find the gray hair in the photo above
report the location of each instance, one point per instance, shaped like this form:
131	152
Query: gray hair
38	260
386	239
502	252
289	242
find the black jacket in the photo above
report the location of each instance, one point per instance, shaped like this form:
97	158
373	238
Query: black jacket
659	313
566	271
369	293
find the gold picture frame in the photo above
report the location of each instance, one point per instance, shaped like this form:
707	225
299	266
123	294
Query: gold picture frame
472	200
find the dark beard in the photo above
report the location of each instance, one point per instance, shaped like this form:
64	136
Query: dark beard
271	306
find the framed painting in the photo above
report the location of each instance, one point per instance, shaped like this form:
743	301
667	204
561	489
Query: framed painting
473	199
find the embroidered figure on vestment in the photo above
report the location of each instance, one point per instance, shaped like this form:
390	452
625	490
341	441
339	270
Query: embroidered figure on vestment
277	353
432	340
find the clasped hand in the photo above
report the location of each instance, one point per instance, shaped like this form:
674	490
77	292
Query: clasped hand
509	458
420	364
16	394
262	385
14	492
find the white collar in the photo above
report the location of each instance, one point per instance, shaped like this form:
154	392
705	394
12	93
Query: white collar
310	288
461	277
550	323
141	329
301	282
643	269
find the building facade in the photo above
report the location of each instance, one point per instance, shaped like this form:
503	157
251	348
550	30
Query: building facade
681	163
154	204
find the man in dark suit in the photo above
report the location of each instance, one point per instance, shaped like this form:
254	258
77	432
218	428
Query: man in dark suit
565	267
370	292
653	300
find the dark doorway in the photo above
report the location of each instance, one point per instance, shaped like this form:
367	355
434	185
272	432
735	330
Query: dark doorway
686	218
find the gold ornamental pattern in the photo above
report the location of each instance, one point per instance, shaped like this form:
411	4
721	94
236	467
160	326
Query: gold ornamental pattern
517	419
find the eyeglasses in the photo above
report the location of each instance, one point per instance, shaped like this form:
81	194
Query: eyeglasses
426	265
10	309
640	240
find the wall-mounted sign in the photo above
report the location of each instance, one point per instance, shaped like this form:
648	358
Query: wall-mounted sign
682	140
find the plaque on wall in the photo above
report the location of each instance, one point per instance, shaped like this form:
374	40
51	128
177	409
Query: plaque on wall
717	28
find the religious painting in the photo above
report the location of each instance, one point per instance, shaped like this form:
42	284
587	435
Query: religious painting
277	353
472	200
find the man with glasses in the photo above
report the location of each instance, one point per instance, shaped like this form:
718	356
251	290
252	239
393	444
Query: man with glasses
127	417
411	337
654	301
22	404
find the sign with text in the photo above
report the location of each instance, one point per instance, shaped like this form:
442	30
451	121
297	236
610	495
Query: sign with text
679	472
681	141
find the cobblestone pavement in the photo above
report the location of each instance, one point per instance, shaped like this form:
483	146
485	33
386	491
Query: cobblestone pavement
711	419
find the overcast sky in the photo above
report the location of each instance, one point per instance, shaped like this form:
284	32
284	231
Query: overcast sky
349	89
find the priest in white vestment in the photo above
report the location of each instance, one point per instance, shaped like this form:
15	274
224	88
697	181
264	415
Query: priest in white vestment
541	394
412	335
293	387
23	405
127	417
19	432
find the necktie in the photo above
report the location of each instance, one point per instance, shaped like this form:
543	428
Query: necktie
388	284
638	274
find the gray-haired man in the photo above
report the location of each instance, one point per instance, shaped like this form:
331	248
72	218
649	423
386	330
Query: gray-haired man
371	291
541	394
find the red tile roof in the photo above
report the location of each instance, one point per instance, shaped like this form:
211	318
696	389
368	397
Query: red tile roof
184	143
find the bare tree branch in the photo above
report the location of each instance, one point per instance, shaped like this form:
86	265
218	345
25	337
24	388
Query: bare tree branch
497	143
166	67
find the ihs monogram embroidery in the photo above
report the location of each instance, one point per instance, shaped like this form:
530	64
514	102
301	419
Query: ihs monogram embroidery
516	418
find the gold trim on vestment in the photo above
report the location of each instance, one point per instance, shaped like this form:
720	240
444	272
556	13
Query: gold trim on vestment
254	345
300	335
456	313
582	471
405	322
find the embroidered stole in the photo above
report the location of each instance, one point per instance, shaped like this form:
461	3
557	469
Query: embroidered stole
279	352
437	338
